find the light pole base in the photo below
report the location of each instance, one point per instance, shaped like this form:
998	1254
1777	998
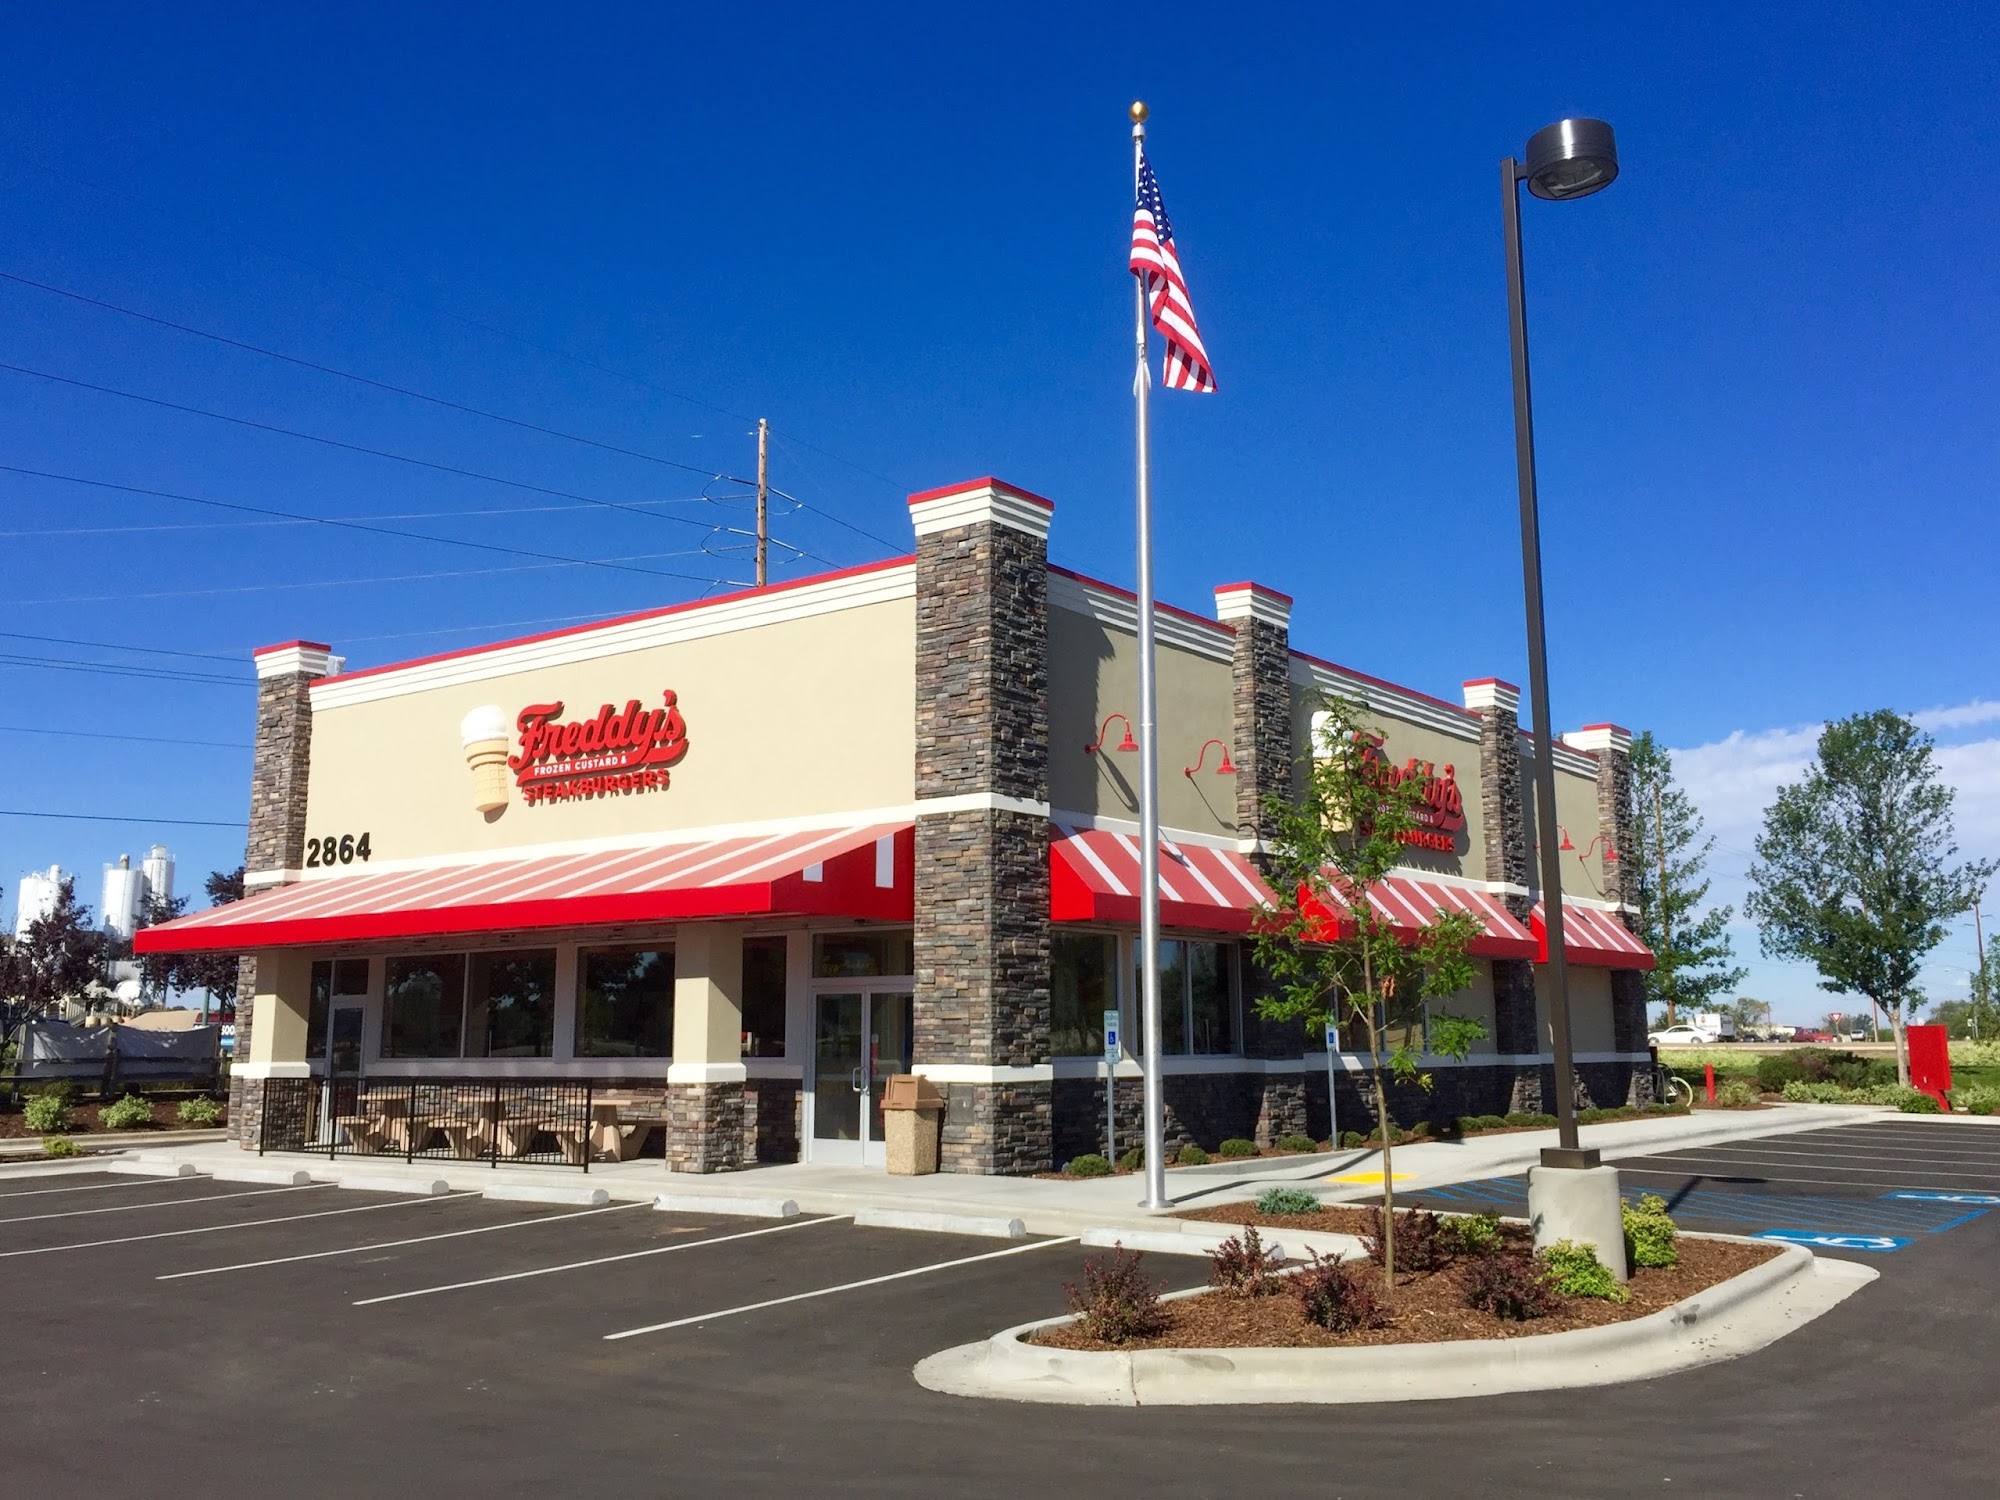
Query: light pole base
1580	1204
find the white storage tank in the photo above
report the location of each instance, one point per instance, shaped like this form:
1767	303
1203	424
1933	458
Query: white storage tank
123	894
158	868
35	897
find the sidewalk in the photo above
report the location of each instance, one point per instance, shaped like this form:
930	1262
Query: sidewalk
1043	1206
29	1147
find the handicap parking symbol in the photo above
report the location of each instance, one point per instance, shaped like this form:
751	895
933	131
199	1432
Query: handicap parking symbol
1820	1241
1977	1199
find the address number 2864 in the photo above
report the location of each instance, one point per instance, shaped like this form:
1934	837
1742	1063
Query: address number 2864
336	849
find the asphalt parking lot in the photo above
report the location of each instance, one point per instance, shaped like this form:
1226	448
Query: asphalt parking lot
174	1335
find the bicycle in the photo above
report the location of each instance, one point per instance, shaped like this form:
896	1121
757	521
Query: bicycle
1669	1087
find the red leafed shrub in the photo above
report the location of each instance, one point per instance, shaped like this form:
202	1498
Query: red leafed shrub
1337	1296
1244	1264
1117	1301
1421	1241
1510	1285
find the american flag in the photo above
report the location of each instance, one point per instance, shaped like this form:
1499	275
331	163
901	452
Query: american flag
1155	261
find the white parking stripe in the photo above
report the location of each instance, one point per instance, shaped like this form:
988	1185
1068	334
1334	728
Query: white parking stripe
1873	1153
98	1187
1879	1168
602	1260
850	1286
126	1208
422	1239
1847	1182
174	1234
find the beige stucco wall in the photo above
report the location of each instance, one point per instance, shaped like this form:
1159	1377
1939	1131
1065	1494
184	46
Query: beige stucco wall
1474	1004
1094	672
1401	740
1589	1009
795	719
1576	811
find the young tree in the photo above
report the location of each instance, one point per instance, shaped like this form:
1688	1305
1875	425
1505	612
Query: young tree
62	955
1855	869
159	972
1667	868
212	973
1983	1010
1333	959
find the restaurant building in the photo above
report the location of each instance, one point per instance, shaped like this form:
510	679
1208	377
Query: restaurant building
750	856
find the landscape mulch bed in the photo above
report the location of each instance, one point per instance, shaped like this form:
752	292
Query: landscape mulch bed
1425	1308
83	1120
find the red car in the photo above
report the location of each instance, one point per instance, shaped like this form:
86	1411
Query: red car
1810	1034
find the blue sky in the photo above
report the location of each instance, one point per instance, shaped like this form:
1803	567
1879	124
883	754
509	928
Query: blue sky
1763	360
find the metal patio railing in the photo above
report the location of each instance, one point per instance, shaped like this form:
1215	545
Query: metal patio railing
557	1123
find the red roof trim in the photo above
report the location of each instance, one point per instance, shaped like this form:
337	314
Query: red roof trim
1492	682
988	482
290	645
1255	588
1614	728
1320	661
1219	626
686	607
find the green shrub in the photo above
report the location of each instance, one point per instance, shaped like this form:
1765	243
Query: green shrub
1244	1265
1467	1124
60	1145
1236	1146
1192	1156
1352	1138
1917	1102
1575	1271
202	1110
1287	1200
1297	1143
1776	1070
1798	1091
127	1114
46	1114
1117	1301
1982	1100
60	1088
1090	1164
1473	1234
1649	1233
1132	1159
1737	1093
1538	1120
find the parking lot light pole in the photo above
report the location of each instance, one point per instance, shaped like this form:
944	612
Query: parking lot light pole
1570	159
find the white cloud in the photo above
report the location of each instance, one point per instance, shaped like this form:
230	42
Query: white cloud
1733	780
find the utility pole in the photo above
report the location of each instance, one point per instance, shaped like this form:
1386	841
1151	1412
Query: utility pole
1980	996
1666	918
763	492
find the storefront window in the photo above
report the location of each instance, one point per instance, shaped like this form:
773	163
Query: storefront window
864	955
764	997
510	1004
1197	999
1083	968
625	1002
422	1006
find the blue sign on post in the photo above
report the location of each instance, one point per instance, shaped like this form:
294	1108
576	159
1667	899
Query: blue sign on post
1111	1047
1112	1051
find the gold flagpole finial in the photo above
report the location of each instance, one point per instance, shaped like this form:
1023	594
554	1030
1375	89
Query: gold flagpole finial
1139	111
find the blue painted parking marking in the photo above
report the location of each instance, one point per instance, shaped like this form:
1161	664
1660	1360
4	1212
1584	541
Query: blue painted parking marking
1878	1242
1895	1216
1982	1198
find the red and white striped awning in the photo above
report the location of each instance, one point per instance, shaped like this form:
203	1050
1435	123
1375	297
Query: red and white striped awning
1592	937
1410	903
1094	877
865	873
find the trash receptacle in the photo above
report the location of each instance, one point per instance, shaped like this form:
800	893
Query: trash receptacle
912	1118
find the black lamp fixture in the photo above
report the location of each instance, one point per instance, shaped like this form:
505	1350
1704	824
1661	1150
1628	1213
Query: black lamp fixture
1571	159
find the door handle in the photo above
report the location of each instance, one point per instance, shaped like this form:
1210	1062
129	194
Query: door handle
859	1086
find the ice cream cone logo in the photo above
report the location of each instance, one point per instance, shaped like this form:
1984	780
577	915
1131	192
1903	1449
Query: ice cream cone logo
485	733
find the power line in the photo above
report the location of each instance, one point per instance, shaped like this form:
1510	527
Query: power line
136	739
437	310
396	515
380	385
120	669
57	640
417	536
8	812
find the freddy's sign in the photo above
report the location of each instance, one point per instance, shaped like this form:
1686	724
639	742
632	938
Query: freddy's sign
1440	810
615	752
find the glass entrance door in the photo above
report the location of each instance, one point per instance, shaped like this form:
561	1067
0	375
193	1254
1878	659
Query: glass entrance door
343	1067
860	1038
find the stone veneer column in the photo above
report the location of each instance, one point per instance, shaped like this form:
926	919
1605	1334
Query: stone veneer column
275	853
1261	673
1612	745
705	1081
982	836
1503	816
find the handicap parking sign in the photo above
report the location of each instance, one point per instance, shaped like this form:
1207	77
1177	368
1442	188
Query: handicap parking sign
1821	1241
1977	1199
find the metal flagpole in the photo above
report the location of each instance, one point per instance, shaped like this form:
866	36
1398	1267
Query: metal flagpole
1149	758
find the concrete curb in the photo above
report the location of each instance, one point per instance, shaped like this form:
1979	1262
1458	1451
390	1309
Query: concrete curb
563	1197
1735	1318
283	1176
143	1168
990	1226
421	1187
720	1203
